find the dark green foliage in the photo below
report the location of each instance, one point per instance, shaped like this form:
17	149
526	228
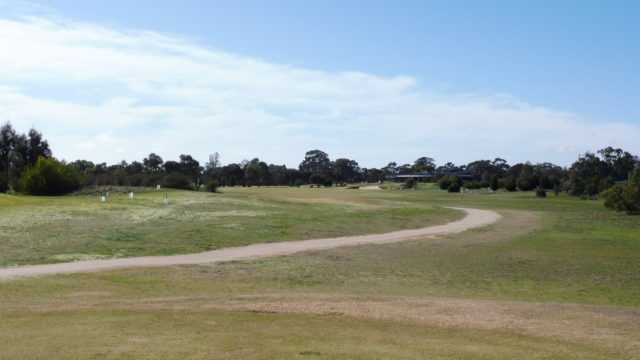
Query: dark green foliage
49	177
410	183
625	197
591	174
176	180
4	184
316	179
444	182
454	187
541	192
212	185
345	170
299	182
315	161
494	185
472	185
424	164
510	184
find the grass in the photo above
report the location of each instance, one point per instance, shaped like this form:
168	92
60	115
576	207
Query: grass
224	335
557	278
37	230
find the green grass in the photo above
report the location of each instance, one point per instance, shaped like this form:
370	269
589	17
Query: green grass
56	229
574	261
219	335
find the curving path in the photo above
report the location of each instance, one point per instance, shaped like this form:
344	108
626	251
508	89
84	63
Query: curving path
475	218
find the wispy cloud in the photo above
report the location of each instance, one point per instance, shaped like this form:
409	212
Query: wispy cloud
108	94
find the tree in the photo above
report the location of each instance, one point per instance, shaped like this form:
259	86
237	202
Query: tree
495	184
625	197
153	163
177	180
36	147
345	170
171	166
316	179
49	177
588	176
619	162
315	161
424	164
7	142
213	164
510	184
191	168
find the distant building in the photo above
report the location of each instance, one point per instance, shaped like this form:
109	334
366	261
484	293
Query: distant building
425	176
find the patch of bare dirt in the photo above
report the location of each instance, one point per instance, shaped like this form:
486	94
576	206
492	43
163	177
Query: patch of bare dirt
612	326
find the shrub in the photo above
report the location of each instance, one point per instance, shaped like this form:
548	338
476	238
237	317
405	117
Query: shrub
176	180
212	185
49	177
510	184
525	183
444	182
541	192
625	197
494	185
410	183
316	179
454	187
299	182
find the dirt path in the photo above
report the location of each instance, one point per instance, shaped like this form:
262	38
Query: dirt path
475	218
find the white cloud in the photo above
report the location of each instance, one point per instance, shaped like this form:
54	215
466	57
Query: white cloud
106	94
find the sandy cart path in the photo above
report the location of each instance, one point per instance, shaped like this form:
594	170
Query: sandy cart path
475	218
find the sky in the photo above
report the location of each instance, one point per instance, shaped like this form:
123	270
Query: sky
374	81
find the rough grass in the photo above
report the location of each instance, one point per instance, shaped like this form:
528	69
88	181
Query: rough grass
229	335
556	279
55	229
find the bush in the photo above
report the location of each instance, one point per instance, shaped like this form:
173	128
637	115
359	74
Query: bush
541	192
525	183
176	180
625	197
444	182
494	185
510	184
212	185
454	187
49	177
410	183
299	182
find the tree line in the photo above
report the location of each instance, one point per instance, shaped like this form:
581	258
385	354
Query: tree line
590	175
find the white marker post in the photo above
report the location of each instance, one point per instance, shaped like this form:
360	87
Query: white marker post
165	200
131	195
103	198
157	187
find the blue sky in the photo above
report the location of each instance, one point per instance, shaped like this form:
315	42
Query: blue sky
371	80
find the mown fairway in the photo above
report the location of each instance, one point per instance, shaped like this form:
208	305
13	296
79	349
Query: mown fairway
58	229
557	278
